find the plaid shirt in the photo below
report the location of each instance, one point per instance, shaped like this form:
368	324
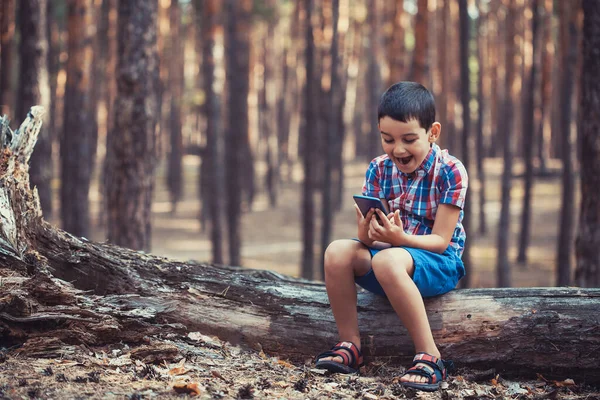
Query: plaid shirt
440	179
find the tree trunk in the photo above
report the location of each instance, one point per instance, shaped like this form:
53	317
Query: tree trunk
176	86
7	34
568	43
132	142
503	265
331	138
34	89
465	98
374	80
308	206
99	293
79	138
212	193
544	130
420	65
483	33
237	174
528	107
396	51
587	272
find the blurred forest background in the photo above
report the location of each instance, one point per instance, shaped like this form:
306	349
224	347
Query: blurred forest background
236	131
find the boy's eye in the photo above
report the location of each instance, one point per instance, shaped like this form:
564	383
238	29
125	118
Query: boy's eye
410	140
388	140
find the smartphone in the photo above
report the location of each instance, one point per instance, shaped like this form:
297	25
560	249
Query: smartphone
365	203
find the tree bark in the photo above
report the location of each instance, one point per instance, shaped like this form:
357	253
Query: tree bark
66	290
503	265
7	33
420	66
239	173
132	142
80	135
587	272
528	106
34	89
568	52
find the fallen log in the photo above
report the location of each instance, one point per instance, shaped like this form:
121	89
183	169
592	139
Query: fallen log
57	288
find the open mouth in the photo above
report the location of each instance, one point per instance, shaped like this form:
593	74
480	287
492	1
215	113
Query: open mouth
405	160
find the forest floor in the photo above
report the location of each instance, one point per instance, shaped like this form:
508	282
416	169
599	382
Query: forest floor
177	366
207	368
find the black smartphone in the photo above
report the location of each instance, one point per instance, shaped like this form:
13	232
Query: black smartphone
365	203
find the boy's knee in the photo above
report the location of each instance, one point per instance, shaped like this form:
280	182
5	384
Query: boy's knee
388	263
337	251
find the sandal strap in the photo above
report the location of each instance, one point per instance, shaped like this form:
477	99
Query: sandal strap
432	361
348	351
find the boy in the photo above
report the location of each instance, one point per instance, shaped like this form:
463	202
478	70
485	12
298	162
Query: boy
415	251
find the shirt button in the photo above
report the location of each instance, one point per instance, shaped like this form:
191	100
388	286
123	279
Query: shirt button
407	201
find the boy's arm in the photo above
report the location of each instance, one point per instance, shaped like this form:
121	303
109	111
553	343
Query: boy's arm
437	242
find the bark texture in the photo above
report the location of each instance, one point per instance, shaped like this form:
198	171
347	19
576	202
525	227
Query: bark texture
132	150
587	272
60	290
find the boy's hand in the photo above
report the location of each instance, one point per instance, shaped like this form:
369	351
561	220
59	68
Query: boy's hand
363	225
389	230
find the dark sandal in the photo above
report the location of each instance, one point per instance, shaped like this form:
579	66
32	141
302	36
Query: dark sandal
438	373
350	354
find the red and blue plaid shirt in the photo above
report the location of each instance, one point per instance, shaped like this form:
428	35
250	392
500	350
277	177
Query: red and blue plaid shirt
440	179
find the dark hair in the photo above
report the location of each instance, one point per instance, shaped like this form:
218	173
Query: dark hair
404	101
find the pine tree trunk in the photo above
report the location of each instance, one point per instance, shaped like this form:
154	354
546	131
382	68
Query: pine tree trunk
396	52
238	176
465	98
132	142
211	165
79	138
7	33
310	116
374	80
544	130
176	63
420	66
483	32
503	265
568	43
587	273
34	89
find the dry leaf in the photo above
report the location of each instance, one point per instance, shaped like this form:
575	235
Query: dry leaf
565	383
281	384
177	371
285	364
191	388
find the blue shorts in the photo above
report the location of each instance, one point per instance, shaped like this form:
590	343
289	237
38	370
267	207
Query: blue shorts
434	274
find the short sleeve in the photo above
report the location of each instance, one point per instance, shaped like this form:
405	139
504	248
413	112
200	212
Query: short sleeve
371	186
454	184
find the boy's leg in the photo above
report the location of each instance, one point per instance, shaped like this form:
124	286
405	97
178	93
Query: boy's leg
394	269
345	259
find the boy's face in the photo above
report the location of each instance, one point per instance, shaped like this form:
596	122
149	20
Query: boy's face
407	143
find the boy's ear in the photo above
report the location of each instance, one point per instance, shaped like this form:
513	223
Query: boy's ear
434	132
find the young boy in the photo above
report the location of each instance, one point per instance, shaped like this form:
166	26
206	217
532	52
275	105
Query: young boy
415	251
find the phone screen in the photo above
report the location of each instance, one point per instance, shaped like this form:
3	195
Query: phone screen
365	203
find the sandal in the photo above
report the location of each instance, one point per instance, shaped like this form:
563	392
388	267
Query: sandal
350	354
435	370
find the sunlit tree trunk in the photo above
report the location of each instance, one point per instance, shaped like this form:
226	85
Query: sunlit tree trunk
528	107
79	137
568	44
503	265
34	89
237	37
132	152
396	51
420	66
587	272
7	33
374	79
175	156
